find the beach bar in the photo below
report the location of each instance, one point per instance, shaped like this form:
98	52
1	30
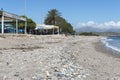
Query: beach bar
46	29
5	16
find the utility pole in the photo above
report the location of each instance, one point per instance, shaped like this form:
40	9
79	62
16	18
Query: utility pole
25	17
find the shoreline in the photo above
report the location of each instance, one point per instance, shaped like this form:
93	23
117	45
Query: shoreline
101	47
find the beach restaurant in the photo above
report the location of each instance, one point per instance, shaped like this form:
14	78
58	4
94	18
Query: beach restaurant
6	17
46	29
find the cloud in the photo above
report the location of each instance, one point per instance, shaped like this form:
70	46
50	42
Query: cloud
105	25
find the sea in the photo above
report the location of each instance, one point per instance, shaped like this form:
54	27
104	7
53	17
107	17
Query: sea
112	42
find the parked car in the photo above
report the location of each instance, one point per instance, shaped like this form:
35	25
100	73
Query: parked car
9	30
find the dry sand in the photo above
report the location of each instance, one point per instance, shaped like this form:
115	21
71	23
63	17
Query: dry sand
56	57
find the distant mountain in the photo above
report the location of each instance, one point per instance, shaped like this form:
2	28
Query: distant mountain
113	30
88	29
92	29
107	33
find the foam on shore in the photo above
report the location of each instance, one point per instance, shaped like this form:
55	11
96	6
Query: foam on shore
105	41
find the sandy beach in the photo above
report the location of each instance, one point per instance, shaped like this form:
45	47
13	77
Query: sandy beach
56	57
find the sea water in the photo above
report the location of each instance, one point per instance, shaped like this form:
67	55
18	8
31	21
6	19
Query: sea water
112	42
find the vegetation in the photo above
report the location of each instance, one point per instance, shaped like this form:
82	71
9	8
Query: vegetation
88	34
30	24
54	18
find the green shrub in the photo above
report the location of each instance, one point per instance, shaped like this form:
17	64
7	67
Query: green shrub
88	34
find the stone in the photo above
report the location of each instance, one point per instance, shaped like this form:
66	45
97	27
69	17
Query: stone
7	63
16	74
4	77
47	73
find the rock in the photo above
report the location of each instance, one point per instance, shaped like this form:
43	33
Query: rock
1	53
84	76
7	63
16	74
25	59
4	77
22	79
47	73
72	79
115	78
37	78
59	74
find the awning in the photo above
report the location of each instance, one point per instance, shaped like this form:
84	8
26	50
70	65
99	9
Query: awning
39	28
46	27
9	16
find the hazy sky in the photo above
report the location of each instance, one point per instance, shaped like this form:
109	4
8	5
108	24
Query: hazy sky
75	11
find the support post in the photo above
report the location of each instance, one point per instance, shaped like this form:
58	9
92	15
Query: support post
26	26
3	23
53	30
58	30
25	17
16	26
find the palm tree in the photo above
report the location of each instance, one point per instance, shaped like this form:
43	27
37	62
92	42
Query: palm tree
52	16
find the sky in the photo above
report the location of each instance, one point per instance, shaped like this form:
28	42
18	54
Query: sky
80	13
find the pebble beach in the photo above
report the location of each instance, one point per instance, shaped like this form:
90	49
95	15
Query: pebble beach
56	57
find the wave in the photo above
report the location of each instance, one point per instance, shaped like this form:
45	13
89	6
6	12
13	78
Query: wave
105	41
